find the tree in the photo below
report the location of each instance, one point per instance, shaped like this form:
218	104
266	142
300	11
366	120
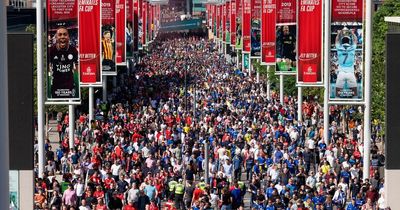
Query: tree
380	27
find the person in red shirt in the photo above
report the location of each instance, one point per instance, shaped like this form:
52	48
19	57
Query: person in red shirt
99	193
108	181
129	206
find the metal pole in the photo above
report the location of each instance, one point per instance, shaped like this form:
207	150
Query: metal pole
281	88
104	88
367	111
237	58
327	43
299	104
91	102
206	175
194	102
186	104
40	97
268	85
71	113
4	135
114	81
250	66
243	62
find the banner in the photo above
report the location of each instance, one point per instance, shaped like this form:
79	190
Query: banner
246	61
268	35
120	11
219	22
286	36
108	47
62	50
129	29
140	24
144	23
238	28
309	43
228	23
246	27
233	23
256	28
89	48
135	35
346	58
214	22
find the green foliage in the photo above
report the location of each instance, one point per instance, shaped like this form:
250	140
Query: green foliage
380	27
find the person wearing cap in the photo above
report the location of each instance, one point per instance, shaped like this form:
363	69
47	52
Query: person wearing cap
179	191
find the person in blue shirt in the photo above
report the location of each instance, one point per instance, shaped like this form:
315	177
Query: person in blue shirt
249	167
352	205
237	198
345	175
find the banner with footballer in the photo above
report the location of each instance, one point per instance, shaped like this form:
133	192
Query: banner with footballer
309	42
346	58
89	47
129	29
62	50
233	23
108	47
238	28
246	25
286	36
135	36
120	10
268	35
255	39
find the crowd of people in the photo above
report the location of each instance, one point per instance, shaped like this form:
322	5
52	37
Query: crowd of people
187	130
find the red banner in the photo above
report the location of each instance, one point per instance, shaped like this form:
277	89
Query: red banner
89	48
224	14
268	35
120	11
309	39
144	22
343	11
246	25
62	53
218	16
233	22
135	26
286	11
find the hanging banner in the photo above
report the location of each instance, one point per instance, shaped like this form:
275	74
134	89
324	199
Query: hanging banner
246	61
62	51
346	64
144	23
135	35
108	47
256	28
223	22
129	29
120	11
140	24
233	23
309	42
286	36
220	23
246	25
228	23
214	17
89	48
239	15
268	35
